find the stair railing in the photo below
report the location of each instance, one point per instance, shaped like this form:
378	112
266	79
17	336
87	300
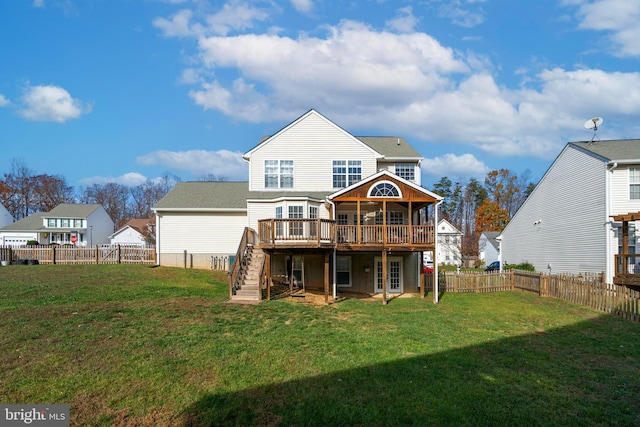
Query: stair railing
235	275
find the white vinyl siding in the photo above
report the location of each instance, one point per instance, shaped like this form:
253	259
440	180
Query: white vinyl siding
201	232
563	223
312	144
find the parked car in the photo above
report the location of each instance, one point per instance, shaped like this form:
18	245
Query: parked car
494	266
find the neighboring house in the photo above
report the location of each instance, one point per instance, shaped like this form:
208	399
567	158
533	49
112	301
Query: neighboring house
5	217
75	224
449	245
489	247
567	225
133	233
328	209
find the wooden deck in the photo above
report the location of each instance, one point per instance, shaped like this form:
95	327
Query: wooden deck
322	233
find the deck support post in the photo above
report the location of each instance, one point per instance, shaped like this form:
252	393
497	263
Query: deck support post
326	278
384	277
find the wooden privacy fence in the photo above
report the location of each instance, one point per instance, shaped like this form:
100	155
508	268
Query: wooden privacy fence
71	255
585	289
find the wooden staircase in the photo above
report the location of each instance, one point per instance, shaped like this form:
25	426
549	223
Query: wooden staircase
250	269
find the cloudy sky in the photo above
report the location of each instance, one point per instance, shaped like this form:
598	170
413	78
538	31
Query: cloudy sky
124	90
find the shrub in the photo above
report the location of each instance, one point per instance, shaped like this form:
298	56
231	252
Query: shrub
32	242
524	266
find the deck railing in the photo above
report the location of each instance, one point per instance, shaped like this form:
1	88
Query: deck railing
324	231
627	269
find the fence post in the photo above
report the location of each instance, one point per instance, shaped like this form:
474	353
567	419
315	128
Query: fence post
513	279
118	254
97	255
53	254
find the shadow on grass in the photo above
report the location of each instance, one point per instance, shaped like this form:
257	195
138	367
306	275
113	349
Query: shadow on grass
578	375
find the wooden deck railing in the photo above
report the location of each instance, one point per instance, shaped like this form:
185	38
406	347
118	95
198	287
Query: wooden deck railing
248	238
272	232
627	269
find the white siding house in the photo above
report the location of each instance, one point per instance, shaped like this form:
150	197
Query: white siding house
132	233
449	250
67	223
489	247
315	195
565	225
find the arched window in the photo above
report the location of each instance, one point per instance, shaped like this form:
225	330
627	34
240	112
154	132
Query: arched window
384	189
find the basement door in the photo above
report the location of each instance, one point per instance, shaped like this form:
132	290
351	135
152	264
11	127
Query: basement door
394	275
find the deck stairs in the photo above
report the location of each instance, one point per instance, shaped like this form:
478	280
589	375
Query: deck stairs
249	288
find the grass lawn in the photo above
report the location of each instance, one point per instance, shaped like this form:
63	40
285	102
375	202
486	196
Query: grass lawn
134	345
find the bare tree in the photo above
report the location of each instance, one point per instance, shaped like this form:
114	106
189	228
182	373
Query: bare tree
113	198
51	191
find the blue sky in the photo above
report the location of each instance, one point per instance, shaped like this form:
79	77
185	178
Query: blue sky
124	90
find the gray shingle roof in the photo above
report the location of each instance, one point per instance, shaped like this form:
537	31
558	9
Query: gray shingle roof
390	146
71	210
491	238
33	222
206	195
617	149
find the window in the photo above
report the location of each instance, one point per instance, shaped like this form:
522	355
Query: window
384	189
278	223
343	219
313	214
278	173
51	222
77	223
343	271
634	183
393	218
295	227
65	223
406	171
346	172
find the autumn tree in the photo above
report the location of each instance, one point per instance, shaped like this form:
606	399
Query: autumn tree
508	190
490	217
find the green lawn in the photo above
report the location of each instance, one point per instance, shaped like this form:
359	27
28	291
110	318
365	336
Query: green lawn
134	345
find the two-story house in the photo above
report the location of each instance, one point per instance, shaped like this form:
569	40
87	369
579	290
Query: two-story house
67	223
328	211
573	221
449	245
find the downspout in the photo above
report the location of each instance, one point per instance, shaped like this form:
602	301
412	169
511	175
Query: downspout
333	273
157	239
608	223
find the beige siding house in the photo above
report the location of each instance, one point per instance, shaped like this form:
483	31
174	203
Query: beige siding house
326	211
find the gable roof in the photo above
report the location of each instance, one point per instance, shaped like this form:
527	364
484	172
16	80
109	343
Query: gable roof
443	225
388	174
491	238
205	196
621	150
138	224
72	210
391	147
31	223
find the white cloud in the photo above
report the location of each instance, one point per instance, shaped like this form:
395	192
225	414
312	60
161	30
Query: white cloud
177	26
388	83
51	103
38	3
233	16
460	12
130	179
302	6
451	165
405	22
4	101
221	163
617	17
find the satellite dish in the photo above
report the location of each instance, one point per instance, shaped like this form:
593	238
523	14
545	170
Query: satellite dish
593	123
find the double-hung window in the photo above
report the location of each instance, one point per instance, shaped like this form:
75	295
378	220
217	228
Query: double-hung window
346	172
278	173
634	183
406	171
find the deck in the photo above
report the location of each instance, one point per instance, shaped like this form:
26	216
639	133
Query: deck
323	233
